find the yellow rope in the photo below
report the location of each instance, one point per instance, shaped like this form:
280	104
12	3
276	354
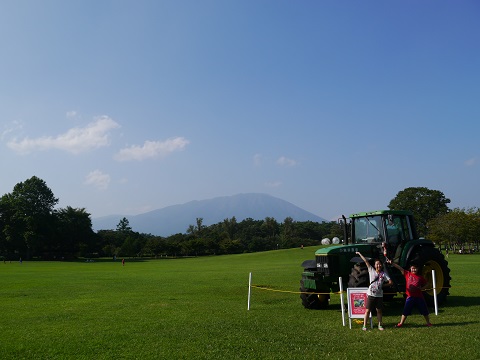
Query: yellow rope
322	293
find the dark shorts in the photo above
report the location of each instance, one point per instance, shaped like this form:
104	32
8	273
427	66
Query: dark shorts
417	302
374	302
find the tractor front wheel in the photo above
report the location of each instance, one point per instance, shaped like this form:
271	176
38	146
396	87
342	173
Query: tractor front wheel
312	299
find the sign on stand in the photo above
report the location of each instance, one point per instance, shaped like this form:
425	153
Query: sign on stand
357	302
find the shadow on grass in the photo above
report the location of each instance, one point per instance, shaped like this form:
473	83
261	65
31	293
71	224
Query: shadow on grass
119	259
452	301
465	301
461	323
102	260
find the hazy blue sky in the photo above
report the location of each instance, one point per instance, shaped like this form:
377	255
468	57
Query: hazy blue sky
335	106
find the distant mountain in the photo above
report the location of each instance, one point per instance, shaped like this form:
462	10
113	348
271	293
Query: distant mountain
177	218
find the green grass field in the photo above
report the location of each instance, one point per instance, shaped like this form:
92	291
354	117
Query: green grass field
197	309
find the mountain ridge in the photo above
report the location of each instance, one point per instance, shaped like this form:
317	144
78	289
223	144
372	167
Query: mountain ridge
175	219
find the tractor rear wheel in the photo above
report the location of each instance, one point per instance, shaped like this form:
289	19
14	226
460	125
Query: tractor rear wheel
428	259
359	276
311	299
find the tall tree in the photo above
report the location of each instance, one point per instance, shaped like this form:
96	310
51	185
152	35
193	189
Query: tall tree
425	204
287	233
28	215
123	226
230	227
271	226
75	234
196	231
287	227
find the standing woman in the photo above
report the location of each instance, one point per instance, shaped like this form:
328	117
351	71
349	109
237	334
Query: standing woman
375	290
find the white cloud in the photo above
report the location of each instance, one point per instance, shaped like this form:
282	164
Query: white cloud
16	125
75	140
471	162
152	149
98	179
284	161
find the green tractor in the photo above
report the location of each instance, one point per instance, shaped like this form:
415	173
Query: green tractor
377	235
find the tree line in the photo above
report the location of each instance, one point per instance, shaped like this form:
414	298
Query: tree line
454	229
31	227
226	237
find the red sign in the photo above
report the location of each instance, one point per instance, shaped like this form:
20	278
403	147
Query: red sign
357	302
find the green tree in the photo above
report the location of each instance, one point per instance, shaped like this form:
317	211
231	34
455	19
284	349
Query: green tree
425	204
109	242
129	247
153	245
196	231
457	227
75	236
28	216
287	232
124	226
271	226
230	227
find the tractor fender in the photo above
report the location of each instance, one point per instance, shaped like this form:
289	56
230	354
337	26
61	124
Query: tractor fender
412	246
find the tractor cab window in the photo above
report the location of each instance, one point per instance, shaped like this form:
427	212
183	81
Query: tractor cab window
368	229
398	232
397	229
394	233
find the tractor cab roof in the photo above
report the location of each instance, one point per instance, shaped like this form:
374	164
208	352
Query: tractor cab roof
381	212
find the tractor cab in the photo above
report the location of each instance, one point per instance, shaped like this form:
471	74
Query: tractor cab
388	229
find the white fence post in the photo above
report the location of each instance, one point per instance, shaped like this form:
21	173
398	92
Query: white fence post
249	290
341	300
434	292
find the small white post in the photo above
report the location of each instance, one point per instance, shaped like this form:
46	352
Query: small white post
249	290
434	292
341	300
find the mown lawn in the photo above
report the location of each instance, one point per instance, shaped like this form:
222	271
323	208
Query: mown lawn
197	309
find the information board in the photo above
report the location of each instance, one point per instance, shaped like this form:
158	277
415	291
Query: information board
357	302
